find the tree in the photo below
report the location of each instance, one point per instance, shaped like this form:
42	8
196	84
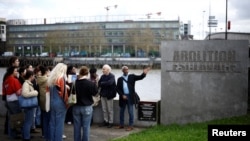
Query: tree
53	40
140	37
91	38
147	39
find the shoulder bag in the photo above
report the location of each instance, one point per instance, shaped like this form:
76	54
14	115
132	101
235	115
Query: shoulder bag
72	97
135	95
96	98
28	102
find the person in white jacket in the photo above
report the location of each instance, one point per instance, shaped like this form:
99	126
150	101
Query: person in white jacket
28	91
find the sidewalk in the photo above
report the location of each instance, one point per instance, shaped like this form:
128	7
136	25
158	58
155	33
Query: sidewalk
96	133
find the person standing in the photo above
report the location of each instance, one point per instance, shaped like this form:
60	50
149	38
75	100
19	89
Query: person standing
107	84
58	101
42	79
11	89
126	90
22	73
71	70
13	62
94	77
37	110
28	91
83	110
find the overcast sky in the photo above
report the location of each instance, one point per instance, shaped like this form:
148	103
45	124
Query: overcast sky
196	11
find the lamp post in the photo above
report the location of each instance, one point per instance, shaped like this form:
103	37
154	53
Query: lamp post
203	23
226	23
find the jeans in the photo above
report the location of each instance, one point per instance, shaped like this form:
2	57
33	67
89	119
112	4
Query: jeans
45	124
82	116
57	115
69	115
29	112
129	104
37	116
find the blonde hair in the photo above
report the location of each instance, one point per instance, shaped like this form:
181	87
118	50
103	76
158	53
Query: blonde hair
57	72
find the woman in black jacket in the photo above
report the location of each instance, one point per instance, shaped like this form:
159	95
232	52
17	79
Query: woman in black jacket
83	110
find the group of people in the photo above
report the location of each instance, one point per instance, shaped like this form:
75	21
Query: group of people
20	81
125	87
43	80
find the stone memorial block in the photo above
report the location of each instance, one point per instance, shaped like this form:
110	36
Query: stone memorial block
203	80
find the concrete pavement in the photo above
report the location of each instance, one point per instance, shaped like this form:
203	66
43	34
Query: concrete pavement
96	133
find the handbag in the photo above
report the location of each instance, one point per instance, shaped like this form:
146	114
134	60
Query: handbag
137	99
72	97
27	102
96	98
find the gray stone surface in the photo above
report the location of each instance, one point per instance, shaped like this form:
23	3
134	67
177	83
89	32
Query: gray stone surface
203	80
96	133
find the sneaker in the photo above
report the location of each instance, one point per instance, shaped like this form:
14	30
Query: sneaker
120	127
110	125
129	128
104	124
64	137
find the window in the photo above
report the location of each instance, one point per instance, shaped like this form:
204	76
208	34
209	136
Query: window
2	30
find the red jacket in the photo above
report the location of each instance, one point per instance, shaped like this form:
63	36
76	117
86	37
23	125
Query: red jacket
11	85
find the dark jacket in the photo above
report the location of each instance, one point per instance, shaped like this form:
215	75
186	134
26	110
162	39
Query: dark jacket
132	78
107	84
85	89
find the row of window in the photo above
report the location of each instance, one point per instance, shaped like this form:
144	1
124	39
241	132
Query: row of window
80	26
156	33
73	41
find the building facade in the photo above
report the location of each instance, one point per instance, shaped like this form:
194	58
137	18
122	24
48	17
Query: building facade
78	37
185	29
2	34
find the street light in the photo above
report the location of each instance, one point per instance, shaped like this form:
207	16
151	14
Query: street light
226	23
203	23
108	8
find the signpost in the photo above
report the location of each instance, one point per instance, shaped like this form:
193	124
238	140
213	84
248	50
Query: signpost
212	22
148	111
